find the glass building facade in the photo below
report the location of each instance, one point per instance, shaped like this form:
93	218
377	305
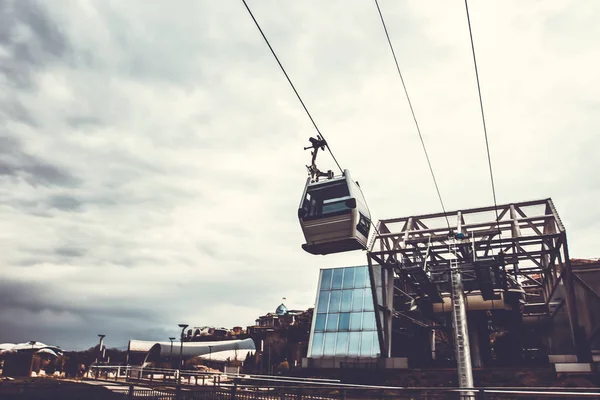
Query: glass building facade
344	318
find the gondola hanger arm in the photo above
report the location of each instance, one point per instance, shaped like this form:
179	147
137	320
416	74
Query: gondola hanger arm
314	172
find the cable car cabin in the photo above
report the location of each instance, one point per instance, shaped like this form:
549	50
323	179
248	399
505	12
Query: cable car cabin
334	216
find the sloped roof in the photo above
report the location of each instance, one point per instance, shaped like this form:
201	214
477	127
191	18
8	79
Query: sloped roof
142	346
6	346
217	350
38	347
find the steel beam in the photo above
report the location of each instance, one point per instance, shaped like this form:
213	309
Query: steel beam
532	240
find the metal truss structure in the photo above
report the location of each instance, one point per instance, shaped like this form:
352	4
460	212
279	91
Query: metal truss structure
522	242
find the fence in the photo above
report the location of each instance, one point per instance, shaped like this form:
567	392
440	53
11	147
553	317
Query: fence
123	382
203	385
239	392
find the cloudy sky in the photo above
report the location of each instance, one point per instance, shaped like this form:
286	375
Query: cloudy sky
151	158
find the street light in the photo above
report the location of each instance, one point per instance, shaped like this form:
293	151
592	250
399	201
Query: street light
99	358
171	353
182	326
101	336
32	343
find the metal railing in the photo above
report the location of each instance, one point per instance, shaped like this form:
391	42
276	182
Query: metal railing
159	383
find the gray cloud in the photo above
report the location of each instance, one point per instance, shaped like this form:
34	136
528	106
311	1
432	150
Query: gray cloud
16	163
71	252
65	203
31	38
79	122
37	297
13	109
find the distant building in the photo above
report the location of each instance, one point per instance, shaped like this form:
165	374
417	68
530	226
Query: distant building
280	337
281	317
160	353
210	333
23	359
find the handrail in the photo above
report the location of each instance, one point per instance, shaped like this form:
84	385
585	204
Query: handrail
321	383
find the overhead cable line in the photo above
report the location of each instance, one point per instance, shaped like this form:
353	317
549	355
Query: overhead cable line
302	102
291	84
413	114
487	145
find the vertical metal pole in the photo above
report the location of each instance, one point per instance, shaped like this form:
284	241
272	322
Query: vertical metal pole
262	354
101	353
459	322
388	283
171	354
581	348
433	350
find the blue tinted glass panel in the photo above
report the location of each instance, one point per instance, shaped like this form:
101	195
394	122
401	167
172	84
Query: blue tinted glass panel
369	300
375	350
348	278
341	344
329	348
369	321
332	322
317	345
354	343
326	279
357	300
344	323
366	341
337	278
355	321
334	303
329	208
320	322
361	277
346	300
323	302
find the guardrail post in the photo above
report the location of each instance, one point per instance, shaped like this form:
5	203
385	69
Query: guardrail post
130	393
481	395
233	388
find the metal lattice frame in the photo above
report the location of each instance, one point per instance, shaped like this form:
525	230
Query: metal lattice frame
529	234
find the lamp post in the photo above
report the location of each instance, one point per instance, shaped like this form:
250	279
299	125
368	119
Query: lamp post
171	352
182	326
32	342
99	359
101	336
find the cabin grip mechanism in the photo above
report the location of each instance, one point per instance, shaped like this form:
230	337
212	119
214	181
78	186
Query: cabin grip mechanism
313	171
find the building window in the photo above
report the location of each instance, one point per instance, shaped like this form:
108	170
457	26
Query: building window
344	324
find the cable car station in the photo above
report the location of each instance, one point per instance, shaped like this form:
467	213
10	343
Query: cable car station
461	289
